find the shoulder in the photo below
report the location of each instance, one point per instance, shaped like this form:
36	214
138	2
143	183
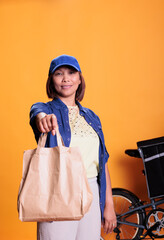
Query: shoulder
89	111
92	115
53	106
41	105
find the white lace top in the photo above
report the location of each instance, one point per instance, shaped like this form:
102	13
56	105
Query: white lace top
84	136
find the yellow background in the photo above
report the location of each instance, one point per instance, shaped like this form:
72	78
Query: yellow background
119	45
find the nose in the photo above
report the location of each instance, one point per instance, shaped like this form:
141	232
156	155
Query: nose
66	77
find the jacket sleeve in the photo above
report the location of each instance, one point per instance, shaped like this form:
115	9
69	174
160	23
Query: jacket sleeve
106	154
99	126
35	109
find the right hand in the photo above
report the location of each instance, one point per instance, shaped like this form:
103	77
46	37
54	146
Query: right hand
46	123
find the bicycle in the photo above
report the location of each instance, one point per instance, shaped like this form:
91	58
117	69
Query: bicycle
135	218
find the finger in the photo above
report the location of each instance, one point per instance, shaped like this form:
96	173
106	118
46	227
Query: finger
113	225
53	121
44	123
49	123
53	132
54	124
105	226
108	228
40	127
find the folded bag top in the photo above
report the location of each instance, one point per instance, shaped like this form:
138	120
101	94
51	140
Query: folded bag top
54	186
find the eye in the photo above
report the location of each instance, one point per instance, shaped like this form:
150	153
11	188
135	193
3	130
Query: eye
57	73
72	71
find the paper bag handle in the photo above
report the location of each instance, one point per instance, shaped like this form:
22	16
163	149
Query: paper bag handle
43	138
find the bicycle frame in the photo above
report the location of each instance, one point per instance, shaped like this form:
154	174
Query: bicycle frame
146	213
153	204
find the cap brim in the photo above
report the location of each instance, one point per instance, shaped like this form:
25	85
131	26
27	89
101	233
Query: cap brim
64	64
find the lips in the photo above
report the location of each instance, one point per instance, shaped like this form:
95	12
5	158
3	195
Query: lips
66	86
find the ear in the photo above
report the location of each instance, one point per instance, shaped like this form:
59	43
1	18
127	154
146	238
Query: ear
79	79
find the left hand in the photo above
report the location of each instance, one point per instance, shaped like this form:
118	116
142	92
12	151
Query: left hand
110	221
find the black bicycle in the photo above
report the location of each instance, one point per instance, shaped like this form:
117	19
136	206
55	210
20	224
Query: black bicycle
135	218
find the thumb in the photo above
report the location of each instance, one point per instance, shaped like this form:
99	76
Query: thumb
53	132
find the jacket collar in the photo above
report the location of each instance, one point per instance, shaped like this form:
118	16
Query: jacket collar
81	108
59	104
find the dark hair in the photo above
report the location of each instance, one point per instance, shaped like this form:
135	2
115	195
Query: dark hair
51	91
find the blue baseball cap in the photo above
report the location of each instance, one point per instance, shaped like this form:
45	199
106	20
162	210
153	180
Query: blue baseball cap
64	60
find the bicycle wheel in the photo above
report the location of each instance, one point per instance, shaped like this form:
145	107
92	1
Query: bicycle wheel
123	201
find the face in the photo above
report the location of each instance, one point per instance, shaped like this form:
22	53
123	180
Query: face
66	81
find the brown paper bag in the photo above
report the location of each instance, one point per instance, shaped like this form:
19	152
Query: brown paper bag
54	185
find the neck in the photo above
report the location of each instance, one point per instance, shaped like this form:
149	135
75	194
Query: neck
68	101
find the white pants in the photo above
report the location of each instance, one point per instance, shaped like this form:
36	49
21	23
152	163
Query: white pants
88	228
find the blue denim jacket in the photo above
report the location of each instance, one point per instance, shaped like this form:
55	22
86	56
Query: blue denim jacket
57	107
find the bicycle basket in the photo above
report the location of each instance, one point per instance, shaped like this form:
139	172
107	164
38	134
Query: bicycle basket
152	153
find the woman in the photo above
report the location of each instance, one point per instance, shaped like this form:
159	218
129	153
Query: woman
80	127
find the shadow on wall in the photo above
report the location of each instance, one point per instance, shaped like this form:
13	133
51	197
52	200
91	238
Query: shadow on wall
132	173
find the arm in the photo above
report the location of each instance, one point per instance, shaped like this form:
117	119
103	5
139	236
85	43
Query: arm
109	214
46	122
41	120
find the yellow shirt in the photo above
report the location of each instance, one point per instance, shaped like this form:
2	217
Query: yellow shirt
86	139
